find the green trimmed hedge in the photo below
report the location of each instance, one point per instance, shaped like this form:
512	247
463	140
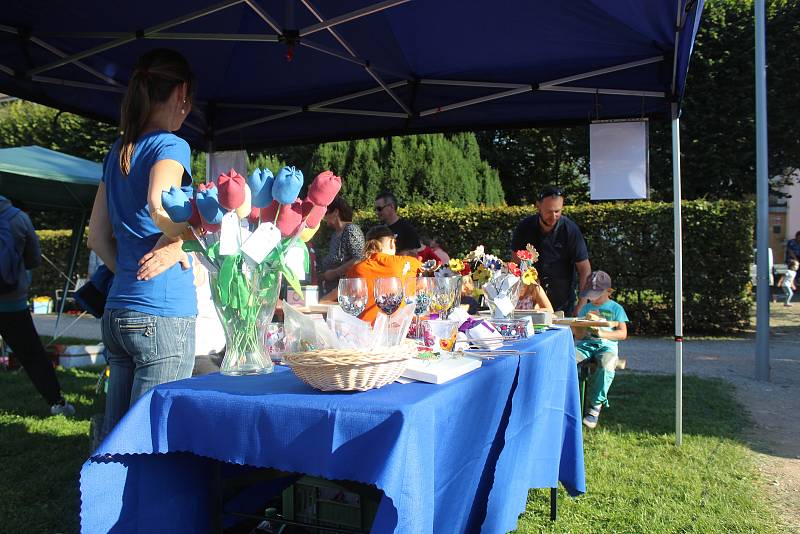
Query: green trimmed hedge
633	242
55	244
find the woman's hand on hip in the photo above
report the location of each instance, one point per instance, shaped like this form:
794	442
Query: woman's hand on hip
164	255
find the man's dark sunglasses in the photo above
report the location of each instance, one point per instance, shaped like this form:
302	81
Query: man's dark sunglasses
550	192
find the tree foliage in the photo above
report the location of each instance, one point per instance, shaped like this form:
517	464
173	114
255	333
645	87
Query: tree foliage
416	168
24	123
717	122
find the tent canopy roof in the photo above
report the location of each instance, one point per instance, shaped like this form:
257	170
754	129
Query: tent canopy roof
44	179
358	68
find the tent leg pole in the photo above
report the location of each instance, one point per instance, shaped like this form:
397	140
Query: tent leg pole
77	237
762	202
676	191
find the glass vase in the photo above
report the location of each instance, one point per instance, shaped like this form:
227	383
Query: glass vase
501	295
245	301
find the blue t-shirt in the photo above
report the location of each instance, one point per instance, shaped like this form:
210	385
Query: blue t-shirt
610	311
171	293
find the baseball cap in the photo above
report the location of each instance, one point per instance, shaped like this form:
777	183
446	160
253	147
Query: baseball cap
599	282
379	231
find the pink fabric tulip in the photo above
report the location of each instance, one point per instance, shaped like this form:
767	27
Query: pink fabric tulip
211	228
313	213
268	213
194	220
255	213
290	217
231	190
324	188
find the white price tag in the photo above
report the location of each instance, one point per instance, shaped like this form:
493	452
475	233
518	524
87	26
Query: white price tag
229	234
296	261
261	242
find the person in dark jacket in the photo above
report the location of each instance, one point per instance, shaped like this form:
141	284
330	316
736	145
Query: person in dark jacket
562	249
16	325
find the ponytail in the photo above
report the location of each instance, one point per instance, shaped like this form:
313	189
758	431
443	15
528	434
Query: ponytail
372	246
155	77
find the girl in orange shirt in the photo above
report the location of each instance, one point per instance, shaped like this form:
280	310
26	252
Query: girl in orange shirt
380	261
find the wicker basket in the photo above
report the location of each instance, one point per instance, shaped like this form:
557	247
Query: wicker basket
350	369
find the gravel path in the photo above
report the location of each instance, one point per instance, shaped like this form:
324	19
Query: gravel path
774	406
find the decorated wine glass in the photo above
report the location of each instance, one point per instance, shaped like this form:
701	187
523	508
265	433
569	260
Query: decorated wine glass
353	295
443	295
389	294
424	287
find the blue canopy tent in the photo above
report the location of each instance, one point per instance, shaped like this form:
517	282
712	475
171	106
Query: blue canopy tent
277	72
44	179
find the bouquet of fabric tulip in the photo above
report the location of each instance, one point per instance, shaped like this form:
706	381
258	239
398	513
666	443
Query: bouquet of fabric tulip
496	280
249	233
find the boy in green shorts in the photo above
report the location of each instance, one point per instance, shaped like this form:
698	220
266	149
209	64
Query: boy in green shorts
600	344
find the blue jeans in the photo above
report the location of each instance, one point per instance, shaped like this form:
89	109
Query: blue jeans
143	351
787	290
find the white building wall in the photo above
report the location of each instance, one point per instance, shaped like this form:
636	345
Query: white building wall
793	207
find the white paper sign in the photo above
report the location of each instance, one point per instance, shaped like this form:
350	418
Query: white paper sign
229	234
618	160
296	262
261	242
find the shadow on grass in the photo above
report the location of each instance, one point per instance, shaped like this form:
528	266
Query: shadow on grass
646	403
41	454
77	385
44	462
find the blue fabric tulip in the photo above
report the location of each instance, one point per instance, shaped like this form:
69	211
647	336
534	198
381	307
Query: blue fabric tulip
176	204
287	185
261	183
208	205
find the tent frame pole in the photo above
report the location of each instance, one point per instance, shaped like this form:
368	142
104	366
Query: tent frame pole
77	237
762	371
133	36
676	202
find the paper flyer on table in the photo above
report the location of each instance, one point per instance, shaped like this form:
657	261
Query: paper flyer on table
439	371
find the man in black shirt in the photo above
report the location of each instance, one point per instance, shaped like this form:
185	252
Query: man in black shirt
561	247
407	240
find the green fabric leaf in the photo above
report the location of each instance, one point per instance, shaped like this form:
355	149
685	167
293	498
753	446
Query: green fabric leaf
192	246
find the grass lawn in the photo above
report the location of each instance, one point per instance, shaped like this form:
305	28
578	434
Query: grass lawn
41	456
637	480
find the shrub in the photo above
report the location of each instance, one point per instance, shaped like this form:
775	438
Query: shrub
633	242
55	244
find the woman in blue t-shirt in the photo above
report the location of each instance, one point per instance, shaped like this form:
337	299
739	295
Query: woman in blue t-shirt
148	323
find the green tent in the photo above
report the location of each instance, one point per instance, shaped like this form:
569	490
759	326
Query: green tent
44	179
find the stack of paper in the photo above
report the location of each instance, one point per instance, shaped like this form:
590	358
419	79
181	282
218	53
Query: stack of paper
439	371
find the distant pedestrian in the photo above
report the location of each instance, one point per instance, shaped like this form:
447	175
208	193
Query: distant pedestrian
787	282
793	249
19	251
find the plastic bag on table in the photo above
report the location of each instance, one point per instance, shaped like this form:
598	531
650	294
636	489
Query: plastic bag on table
349	332
304	333
379	331
398	325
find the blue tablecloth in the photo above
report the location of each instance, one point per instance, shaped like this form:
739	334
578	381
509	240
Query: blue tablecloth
456	457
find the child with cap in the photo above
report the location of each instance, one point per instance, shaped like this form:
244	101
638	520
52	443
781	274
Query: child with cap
600	344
